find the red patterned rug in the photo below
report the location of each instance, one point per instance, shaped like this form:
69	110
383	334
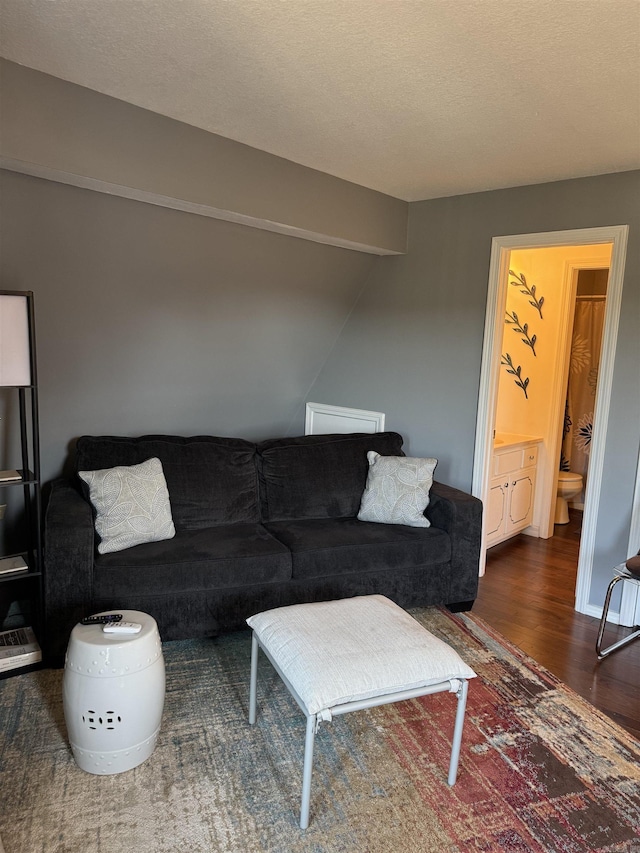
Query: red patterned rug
544	770
541	770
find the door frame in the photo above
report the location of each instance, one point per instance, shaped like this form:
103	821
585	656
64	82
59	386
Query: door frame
490	374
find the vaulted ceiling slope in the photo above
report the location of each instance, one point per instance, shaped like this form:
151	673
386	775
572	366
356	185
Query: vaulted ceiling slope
414	98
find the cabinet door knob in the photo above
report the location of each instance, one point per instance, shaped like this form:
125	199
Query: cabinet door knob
506	485
513	484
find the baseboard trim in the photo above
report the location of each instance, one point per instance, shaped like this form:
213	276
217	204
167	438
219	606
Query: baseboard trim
595	611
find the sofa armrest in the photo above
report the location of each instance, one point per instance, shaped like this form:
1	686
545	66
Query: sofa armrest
68	566
460	514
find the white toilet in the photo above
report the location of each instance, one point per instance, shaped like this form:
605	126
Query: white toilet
569	485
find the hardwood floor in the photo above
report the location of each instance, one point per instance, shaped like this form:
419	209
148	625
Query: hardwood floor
528	594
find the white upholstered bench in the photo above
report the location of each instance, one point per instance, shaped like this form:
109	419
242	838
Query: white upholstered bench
355	653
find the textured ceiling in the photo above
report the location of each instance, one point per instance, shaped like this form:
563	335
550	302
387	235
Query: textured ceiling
415	98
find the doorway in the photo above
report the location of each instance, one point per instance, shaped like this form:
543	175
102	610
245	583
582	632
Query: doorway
540	308
501	250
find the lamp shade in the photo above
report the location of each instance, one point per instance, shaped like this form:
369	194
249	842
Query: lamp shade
15	365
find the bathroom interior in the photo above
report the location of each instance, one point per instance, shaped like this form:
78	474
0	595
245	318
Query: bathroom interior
551	344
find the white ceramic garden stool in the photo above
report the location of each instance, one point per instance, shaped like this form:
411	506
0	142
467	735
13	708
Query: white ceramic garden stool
355	653
113	695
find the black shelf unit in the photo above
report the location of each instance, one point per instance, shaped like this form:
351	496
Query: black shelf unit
25	585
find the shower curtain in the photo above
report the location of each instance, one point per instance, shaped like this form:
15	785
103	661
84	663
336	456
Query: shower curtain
581	390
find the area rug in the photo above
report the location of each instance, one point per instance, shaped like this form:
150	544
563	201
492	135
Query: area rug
541	770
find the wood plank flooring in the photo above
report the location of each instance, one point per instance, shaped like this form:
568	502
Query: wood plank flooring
528	594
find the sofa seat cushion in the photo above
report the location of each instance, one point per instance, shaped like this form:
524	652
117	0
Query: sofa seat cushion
342	546
225	556
211	480
318	476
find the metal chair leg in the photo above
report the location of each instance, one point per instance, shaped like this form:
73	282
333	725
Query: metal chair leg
603	653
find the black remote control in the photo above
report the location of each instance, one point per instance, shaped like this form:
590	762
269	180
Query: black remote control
106	619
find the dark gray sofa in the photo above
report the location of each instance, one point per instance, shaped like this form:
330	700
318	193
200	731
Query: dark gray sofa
257	526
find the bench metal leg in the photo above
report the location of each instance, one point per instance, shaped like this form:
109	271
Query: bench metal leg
307	770
253	682
457	731
602	653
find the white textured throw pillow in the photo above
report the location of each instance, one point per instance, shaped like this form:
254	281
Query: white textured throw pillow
397	490
131	503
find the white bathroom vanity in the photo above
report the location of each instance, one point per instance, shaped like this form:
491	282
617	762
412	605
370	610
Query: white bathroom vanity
513	486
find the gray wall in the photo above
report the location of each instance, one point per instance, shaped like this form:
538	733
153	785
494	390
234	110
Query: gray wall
52	128
413	346
154	320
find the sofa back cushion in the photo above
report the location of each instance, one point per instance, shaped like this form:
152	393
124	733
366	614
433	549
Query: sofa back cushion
210	480
318	476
